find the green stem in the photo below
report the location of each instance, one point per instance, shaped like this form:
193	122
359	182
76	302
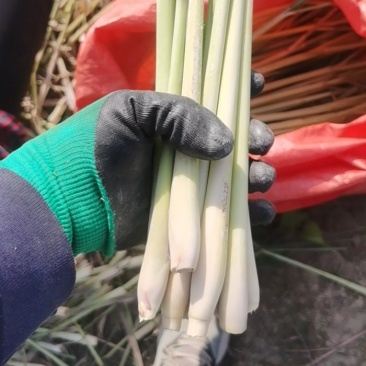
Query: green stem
164	37
178	47
341	281
214	49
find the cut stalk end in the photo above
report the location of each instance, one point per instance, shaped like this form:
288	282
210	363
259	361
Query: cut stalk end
182	269
197	327
171	323
145	311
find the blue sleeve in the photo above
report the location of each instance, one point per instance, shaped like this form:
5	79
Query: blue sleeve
37	272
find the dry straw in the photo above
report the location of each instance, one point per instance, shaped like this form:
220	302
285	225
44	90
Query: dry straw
313	63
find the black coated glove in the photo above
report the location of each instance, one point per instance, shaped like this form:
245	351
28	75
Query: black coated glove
94	171
85	186
261	175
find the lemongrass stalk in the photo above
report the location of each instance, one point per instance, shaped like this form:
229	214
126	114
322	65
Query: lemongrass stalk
178	47
240	275
214	56
175	76
164	37
208	278
184	211
207	36
184	214
253	281
175	302
155	266
176	295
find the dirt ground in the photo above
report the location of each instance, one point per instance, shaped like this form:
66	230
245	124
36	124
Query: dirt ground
304	319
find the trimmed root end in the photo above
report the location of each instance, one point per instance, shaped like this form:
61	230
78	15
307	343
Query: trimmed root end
182	269
197	327
171	323
145	313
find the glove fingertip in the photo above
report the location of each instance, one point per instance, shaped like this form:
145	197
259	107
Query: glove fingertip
261	138
261	212
201	134
261	176
257	83
222	144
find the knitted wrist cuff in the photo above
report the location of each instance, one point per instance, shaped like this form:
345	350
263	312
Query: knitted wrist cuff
60	165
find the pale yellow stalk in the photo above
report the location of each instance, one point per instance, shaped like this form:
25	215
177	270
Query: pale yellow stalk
184	211
253	282
207	280
215	38
164	38
155	266
175	302
176	295
235	297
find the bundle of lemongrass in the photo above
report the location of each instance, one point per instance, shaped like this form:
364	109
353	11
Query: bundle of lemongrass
314	66
199	257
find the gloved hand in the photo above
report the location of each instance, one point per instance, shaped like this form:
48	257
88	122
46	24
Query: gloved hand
261	175
94	171
85	186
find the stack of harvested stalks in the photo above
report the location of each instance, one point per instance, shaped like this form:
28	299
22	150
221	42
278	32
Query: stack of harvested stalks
313	63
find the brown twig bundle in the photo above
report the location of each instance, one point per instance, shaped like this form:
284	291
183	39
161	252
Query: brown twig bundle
313	63
51	92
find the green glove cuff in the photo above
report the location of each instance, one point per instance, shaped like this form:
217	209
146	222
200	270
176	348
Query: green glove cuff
60	165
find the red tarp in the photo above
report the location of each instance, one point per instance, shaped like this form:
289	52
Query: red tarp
314	164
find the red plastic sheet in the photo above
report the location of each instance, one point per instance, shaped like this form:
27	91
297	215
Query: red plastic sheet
314	164
318	163
118	52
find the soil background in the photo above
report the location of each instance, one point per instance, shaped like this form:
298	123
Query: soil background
304	319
